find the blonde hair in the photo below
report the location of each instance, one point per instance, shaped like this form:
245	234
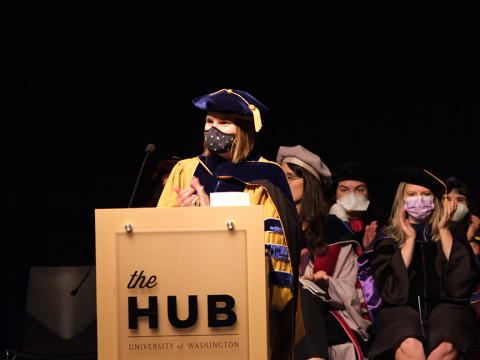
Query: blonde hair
394	230
244	138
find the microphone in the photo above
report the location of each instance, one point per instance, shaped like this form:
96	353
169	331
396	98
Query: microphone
149	150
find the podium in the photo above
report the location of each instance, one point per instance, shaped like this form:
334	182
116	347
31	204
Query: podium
182	283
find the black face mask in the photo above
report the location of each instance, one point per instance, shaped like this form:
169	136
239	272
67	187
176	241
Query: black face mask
218	142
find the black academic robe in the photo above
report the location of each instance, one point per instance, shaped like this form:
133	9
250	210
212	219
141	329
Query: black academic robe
428	300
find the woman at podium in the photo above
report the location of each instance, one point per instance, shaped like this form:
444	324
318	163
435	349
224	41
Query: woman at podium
230	163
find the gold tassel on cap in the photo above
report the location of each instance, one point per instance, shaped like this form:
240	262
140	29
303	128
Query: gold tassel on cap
257	120
446	190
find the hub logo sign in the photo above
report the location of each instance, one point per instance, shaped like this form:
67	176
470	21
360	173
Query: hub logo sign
176	309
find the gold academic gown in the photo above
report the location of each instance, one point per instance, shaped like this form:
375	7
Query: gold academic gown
266	185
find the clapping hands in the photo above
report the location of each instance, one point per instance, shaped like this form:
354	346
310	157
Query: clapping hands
448	211
187	197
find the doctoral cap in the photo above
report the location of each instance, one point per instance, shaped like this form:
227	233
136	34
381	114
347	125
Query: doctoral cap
300	156
418	176
231	101
354	171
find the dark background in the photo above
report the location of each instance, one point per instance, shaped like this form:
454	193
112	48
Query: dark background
88	86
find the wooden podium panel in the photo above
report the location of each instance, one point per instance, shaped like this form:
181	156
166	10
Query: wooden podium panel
180	284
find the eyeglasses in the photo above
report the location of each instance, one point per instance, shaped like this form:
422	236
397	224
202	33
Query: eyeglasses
291	177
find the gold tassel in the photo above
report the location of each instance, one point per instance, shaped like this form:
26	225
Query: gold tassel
446	190
257	120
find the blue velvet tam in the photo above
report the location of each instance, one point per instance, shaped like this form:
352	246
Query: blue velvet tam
231	101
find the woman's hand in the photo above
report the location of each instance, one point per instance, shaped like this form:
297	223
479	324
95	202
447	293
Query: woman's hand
409	246
472	229
444	226
448	212
320	278
187	197
370	232
203	198
406	227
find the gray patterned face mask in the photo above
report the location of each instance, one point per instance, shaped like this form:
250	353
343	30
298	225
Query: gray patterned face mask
218	142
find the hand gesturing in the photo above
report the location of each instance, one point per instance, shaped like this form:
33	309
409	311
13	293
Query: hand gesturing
320	278
405	226
187	197
370	232
448	212
472	229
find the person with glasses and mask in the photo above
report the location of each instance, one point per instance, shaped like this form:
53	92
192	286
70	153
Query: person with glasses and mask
334	320
351	194
423	272
230	163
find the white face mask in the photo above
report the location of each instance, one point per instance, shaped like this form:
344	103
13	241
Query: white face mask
354	202
462	210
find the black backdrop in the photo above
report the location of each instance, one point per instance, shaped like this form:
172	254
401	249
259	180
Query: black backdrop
88	86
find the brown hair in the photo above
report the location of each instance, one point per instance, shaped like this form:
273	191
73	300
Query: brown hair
313	212
244	138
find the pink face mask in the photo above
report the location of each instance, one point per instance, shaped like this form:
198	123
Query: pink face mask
419	207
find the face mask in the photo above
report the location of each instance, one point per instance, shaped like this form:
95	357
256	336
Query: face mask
462	210
419	207
218	142
354	202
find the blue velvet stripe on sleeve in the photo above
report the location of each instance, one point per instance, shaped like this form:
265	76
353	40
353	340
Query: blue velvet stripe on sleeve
278	252
280	278
475	297
273	225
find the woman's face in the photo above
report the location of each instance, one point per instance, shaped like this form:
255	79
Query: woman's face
223	122
349	186
296	184
416	190
455	195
